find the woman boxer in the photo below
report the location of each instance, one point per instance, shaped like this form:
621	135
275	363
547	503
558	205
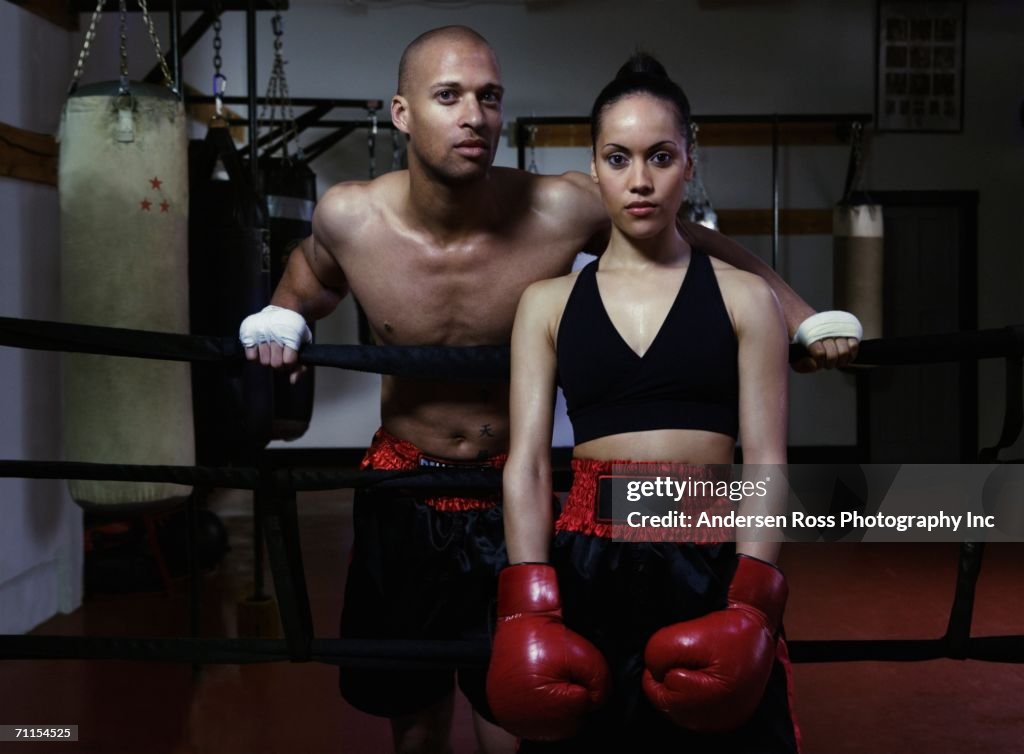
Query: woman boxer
666	357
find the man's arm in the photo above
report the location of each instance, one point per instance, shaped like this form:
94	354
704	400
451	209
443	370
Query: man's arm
312	286
826	352
303	288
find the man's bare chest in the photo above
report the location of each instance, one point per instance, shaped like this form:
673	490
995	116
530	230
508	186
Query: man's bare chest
456	296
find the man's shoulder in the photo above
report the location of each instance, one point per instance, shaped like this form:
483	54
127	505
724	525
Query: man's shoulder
347	205
352	195
567	187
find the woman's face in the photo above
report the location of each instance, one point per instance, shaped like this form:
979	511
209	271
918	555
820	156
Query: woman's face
641	164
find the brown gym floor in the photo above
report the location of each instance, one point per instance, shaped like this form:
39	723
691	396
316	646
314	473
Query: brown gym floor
837	591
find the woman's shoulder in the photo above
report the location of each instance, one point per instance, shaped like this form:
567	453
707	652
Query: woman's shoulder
550	292
544	301
746	294
734	278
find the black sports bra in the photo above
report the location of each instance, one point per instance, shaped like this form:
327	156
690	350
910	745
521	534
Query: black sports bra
687	379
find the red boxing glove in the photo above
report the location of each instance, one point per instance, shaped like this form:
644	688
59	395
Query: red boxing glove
709	674
543	678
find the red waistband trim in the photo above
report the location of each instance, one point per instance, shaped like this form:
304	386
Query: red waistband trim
579	514
390	453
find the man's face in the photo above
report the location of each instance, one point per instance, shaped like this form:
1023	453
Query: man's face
451	109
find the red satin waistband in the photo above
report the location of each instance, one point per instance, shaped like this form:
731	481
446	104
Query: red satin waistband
580	512
390	453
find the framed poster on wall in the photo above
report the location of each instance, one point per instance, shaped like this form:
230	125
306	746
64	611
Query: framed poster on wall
920	65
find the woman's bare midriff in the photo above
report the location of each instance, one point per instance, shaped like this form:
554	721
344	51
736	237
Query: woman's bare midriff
690	446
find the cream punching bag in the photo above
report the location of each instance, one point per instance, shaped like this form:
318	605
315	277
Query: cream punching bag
123	188
858	260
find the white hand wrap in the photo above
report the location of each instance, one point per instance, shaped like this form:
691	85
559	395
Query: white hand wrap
834	324
275	325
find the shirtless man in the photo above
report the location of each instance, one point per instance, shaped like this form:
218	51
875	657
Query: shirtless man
439	254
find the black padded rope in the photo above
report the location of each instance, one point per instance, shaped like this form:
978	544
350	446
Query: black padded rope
356	653
461	363
238	479
449	654
477	363
938	349
241	478
467	363
40	335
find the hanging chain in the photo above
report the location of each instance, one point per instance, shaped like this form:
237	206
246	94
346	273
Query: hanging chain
124	89
396	149
265	117
278	96
220	81
371	143
855	169
532	167
858	146
287	110
168	81
90	34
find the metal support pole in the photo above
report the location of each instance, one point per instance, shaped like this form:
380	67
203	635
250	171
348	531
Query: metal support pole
775	191
175	22
250	51
520	145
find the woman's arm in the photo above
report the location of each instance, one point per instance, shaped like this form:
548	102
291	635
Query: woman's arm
544	680
527	477
764	406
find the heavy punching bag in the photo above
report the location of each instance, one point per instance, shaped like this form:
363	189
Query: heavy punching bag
290	190
289	186
230	278
858	238
123	190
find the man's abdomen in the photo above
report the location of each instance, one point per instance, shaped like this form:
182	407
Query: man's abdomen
456	421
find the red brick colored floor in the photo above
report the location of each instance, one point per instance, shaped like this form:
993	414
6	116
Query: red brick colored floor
837	591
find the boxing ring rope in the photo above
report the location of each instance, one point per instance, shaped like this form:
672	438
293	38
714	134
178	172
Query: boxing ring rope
274	491
476	363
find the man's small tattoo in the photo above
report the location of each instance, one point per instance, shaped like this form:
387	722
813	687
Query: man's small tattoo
486	431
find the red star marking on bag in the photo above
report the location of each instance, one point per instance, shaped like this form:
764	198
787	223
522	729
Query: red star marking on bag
165	205
145	204
155	182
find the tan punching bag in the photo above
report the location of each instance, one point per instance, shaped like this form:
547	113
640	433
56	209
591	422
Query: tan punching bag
123	188
858	263
858	239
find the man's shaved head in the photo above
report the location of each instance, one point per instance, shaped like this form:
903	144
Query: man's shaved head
441	35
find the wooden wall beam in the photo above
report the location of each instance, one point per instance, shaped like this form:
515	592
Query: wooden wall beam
87	6
715	134
758	222
28	155
31	156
